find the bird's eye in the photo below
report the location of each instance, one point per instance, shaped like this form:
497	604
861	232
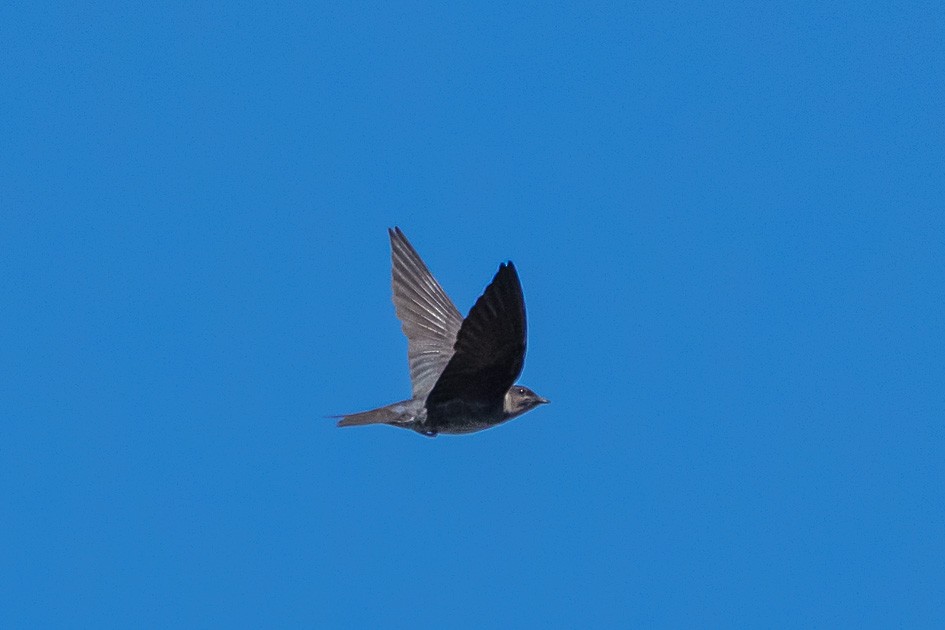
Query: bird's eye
521	390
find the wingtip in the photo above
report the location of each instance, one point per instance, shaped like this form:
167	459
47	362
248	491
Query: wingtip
396	235
508	264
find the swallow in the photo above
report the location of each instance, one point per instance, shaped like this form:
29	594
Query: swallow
462	371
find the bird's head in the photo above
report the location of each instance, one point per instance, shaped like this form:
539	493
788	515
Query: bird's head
520	399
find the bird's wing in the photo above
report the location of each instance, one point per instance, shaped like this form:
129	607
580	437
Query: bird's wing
427	315
490	347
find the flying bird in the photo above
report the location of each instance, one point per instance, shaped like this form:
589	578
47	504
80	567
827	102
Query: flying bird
462	371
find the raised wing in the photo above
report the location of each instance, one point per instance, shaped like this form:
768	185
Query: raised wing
490	347
427	315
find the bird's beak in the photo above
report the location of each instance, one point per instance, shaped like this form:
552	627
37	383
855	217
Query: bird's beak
543	401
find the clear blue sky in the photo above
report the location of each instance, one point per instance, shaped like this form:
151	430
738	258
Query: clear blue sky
729	227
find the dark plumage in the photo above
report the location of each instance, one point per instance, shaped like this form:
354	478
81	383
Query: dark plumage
463	371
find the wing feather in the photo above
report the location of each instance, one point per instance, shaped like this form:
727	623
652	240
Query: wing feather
490	347
428	317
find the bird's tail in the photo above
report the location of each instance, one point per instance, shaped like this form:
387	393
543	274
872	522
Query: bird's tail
397	414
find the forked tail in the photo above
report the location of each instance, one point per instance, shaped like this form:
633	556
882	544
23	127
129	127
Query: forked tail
397	414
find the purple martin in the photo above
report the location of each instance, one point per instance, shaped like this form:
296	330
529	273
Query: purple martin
462	371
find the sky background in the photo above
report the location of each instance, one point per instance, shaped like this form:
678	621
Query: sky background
728	222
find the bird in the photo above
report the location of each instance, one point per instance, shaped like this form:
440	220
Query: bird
462	371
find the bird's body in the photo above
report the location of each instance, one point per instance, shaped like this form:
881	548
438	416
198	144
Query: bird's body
462	370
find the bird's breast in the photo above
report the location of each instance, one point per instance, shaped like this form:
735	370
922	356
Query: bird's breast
463	416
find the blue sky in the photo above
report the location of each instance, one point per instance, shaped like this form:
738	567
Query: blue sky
728	222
